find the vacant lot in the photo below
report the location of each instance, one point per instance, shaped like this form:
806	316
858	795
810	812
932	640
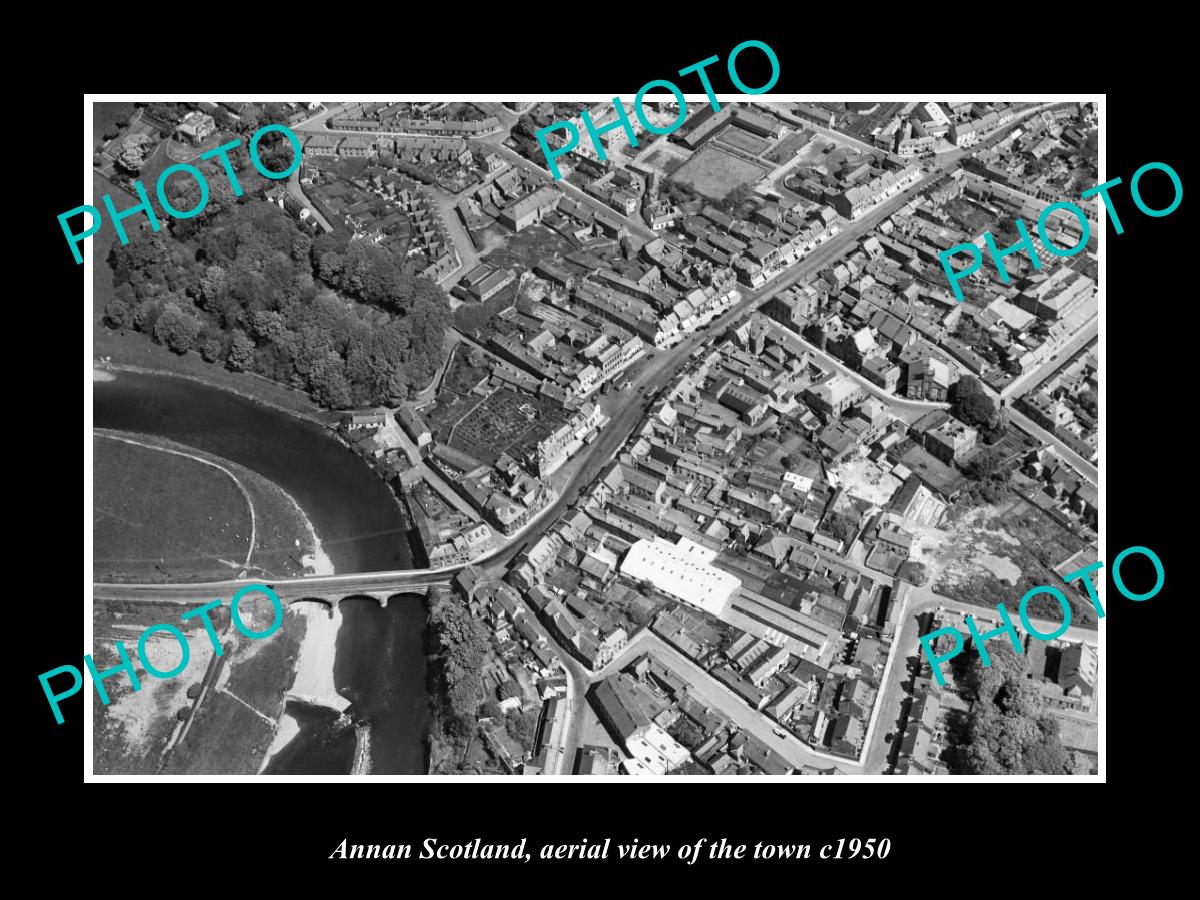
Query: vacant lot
995	554
789	146
864	480
714	173
528	247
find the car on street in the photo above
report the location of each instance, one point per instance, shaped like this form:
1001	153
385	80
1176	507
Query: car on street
779	732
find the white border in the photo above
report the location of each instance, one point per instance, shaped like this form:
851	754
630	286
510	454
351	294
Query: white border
90	777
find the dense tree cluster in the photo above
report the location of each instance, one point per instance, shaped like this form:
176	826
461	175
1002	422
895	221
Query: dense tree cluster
522	727
914	572
248	288
970	403
459	642
989	476
1008	732
840	526
1088	403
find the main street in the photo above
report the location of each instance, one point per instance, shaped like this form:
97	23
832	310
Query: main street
1031	379
1085	468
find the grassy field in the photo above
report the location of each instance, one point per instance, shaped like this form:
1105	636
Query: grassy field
161	516
664	161
202	532
227	738
132	731
104	116
744	140
714	173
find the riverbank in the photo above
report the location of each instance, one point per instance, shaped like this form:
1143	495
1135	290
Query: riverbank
314	679
132	352
357	516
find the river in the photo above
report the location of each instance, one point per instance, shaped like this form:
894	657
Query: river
380	662
355	514
380	669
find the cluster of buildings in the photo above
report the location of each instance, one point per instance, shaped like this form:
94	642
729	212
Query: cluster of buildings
1066	403
195	128
1048	156
922	127
448	162
760	246
663	724
701	127
506	494
523	673
1062	490
570	359
884	309
381	204
443	119
707	526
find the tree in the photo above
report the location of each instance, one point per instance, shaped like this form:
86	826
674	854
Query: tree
489	709
146	315
841	526
250	117
914	573
990	474
736	197
210	348
1008	731
1087	401
134	150
522	726
241	353
118	314
970	403
176	329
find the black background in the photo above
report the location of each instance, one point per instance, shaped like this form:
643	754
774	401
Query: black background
944	836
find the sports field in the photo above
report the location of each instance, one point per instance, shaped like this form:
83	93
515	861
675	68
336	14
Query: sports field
714	173
744	140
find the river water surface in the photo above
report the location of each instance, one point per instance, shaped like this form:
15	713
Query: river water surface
380	663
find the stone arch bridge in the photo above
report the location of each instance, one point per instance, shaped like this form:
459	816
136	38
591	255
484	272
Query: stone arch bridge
329	589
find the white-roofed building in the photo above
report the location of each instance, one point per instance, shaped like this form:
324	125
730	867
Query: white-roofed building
683	570
654	752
